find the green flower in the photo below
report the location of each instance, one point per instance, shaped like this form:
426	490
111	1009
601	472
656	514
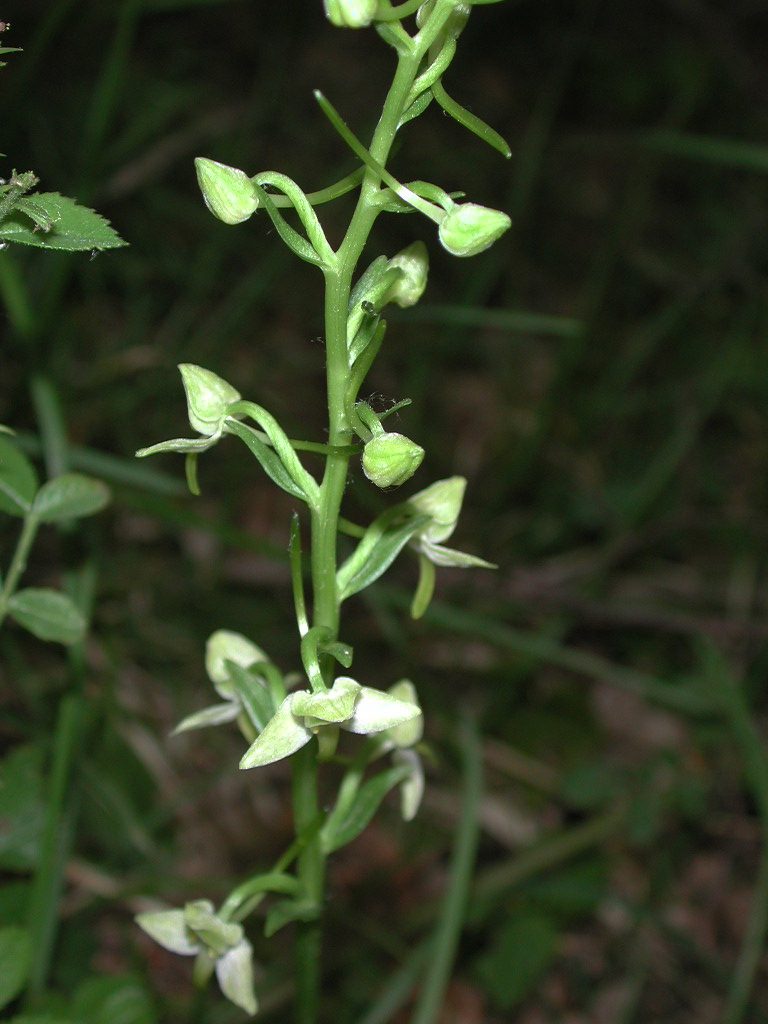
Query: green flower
224	653
442	502
356	708
208	398
198	931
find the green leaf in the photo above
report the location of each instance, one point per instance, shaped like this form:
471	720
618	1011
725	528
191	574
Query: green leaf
337	832
113	1000
18	480
48	615
270	461
14	962
22	810
470	121
287	911
70	496
522	952
383	541
73	228
253	694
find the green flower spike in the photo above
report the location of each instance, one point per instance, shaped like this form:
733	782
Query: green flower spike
228	192
391	459
469	229
356	708
208	399
350	13
223	646
197	931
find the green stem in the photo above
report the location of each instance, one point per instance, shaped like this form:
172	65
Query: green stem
325	514
18	562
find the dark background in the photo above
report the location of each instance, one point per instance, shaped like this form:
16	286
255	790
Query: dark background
600	377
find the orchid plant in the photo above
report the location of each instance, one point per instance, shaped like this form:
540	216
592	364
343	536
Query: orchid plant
301	717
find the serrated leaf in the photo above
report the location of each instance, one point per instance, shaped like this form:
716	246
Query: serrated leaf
48	615
14	962
379	547
18	480
338	831
70	496
73	228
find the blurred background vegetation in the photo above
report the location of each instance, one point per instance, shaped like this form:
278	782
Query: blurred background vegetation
601	378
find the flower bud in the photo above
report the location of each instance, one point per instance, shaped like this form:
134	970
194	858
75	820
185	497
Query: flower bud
350	13
414	264
208	397
469	229
391	459
228	192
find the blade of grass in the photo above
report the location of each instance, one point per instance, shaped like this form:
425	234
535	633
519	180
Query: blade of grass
57	834
449	925
729	691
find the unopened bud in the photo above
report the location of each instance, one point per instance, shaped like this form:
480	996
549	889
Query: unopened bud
350	13
391	459
228	192
414	264
208	397
469	229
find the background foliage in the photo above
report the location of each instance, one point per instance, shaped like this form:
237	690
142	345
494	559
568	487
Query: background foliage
600	378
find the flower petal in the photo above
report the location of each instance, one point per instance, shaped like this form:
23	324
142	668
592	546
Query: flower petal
450	558
184	445
282	736
216	935
225	645
376	711
334	705
234	972
169	929
216	714
412	786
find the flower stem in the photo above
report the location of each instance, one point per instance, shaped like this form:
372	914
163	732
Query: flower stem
326	514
